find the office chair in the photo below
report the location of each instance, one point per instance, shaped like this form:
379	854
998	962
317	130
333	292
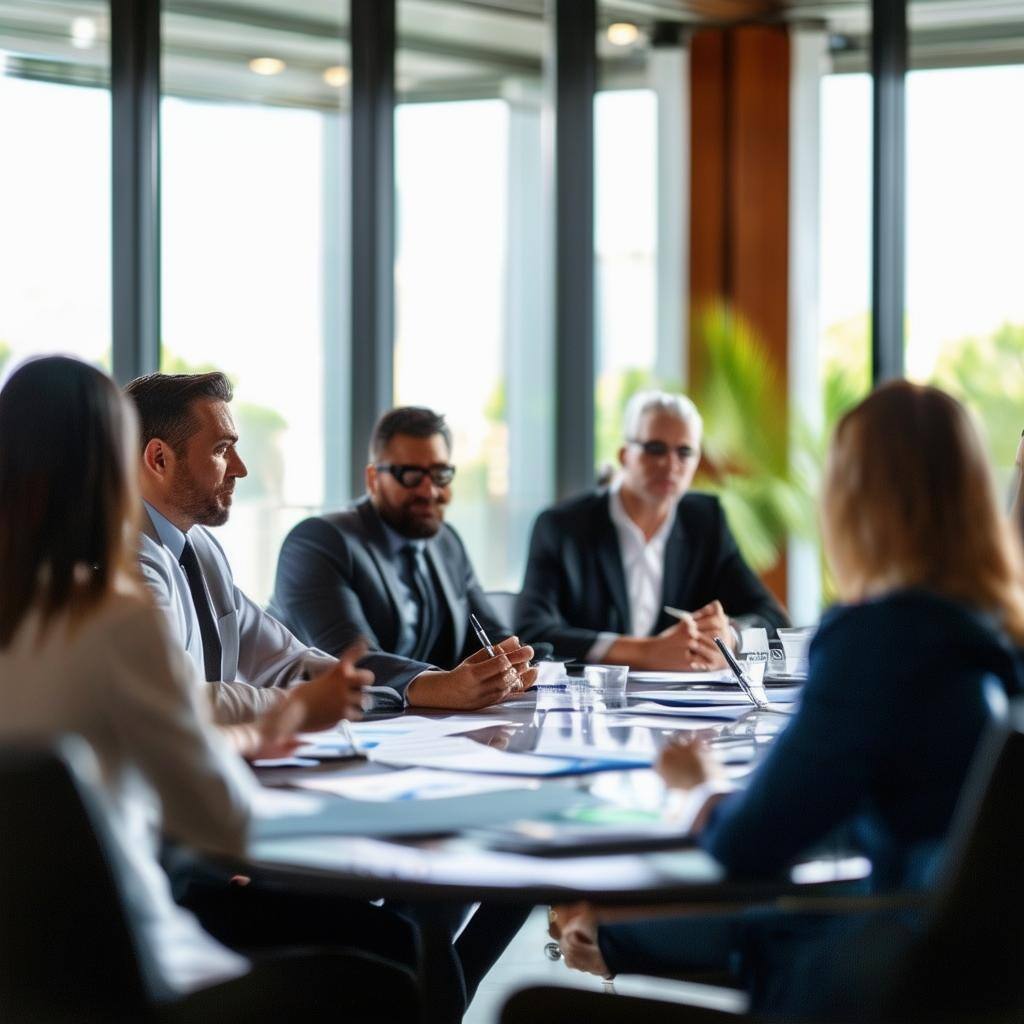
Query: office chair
963	963
67	949
70	952
504	604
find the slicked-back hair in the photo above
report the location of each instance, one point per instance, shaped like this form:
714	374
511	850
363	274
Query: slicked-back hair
164	404
410	420
67	490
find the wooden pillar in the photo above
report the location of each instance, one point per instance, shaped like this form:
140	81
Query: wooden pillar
739	191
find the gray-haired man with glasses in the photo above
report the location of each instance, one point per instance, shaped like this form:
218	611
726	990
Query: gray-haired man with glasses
643	573
390	569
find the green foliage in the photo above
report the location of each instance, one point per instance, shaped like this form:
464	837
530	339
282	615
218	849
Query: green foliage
5	355
987	375
747	439
496	409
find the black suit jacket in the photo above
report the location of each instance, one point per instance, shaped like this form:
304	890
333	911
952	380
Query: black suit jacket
575	585
336	581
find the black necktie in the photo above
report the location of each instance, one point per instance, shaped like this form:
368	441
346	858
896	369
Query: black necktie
207	627
423	592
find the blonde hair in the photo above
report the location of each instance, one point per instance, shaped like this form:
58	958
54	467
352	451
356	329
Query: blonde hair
910	501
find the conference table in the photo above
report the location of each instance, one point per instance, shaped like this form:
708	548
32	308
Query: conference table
475	847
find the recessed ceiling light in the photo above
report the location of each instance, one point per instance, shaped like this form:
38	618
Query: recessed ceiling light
266	66
338	76
623	33
83	33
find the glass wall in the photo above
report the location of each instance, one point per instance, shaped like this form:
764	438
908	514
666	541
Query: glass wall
54	181
965	261
471	328
254	152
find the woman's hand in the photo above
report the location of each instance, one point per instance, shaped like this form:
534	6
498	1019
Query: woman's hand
574	927
686	764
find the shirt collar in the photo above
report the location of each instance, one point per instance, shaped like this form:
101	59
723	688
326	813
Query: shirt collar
620	517
170	536
396	541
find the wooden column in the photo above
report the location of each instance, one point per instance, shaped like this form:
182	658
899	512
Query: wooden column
739	193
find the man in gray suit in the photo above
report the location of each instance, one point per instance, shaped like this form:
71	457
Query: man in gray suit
189	468
388	568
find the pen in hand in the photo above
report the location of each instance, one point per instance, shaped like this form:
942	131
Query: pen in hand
480	634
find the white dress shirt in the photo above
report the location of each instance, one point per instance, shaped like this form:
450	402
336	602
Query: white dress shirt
643	563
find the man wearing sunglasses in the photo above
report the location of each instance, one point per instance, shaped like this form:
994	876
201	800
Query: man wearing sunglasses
391	570
604	568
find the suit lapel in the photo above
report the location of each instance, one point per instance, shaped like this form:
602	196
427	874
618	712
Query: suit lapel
609	558
380	553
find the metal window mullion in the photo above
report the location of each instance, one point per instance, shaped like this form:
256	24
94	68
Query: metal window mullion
135	183
372	31
888	256
573	83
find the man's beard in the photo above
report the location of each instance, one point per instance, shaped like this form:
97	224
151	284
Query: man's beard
198	505
402	521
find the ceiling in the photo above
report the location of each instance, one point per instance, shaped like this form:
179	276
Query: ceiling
453	48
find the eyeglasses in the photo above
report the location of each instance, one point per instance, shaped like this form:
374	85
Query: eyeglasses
658	449
411	476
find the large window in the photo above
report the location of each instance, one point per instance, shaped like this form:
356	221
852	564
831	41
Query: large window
471	318
965	261
54	182
253	165
626	236
845	246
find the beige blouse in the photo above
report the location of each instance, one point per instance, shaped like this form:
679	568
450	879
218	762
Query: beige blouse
117	681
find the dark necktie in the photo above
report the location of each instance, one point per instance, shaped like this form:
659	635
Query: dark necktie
423	592
207	626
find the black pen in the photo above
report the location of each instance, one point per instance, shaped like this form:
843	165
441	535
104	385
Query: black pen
738	673
480	634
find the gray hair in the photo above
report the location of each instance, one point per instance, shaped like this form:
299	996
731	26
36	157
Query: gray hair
643	402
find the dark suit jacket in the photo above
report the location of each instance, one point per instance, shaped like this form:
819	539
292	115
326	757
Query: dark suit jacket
336	581
575	585
899	693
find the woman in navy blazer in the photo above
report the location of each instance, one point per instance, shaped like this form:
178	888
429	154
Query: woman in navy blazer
901	683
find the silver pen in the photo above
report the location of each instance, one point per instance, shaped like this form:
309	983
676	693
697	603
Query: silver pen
734	665
480	634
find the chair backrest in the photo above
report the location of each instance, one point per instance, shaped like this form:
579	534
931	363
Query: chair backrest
504	604
68	949
969	960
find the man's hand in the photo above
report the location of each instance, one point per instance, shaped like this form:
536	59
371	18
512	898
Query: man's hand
678	648
323	701
478	682
574	927
711	621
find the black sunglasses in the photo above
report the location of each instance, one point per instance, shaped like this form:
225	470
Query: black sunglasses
411	476
658	449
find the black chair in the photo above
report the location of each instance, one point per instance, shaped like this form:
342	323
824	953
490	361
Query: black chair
70	950
962	962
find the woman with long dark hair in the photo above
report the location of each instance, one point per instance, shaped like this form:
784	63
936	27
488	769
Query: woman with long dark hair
83	651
